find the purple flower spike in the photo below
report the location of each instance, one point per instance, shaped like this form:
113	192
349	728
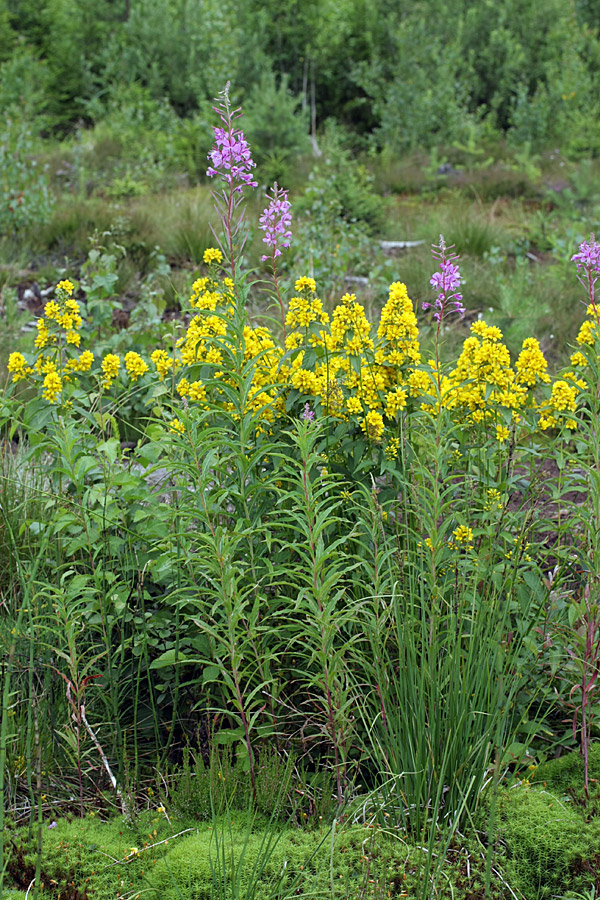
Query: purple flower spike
308	414
230	157
446	283
588	257
276	221
588	269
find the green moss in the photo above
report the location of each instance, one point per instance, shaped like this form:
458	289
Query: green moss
97	858
566	773
547	845
242	860
94	855
548	842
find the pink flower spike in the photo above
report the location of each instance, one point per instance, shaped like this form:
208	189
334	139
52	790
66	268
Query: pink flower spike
446	283
276	221
231	158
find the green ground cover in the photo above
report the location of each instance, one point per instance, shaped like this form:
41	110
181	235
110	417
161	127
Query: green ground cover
546	847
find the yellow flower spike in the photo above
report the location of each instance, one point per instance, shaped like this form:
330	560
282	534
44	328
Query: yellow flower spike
531	365
85	361
578	359
52	387
18	367
305	284
110	368
354	406
212	255
463	537
563	396
52	309
373	426
72	337
393	446
66	285
394	401
162	361
43	335
176	427
135	365
587	333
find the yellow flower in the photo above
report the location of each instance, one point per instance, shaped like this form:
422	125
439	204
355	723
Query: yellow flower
398	331
52	387
531	366
81	363
563	396
197	392
72	337
135	365
212	255
578	359
43	335
502	433
354	406
176	427
110	368
304	380
462	535
493	500
587	333
66	285
372	425
393	446
305	284
18	367
52	310
304	310
394	401
162	361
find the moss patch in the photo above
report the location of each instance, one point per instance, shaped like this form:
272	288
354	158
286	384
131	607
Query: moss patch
552	842
547	844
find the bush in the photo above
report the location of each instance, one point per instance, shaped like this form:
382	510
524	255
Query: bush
25	196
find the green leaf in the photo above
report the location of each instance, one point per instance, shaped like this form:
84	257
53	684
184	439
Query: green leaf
210	673
110	449
168	658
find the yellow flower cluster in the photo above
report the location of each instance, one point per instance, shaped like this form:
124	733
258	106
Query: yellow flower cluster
352	377
563	402
176	427
340	365
61	319
493	501
57	337
110	369
212	255
398	332
17	366
52	386
135	365
462	537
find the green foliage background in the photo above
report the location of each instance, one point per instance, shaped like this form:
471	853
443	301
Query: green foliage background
395	73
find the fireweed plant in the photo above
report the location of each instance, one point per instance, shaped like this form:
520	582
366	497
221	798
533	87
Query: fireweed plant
323	543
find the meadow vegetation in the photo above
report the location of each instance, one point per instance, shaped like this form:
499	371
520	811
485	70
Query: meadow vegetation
299	520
